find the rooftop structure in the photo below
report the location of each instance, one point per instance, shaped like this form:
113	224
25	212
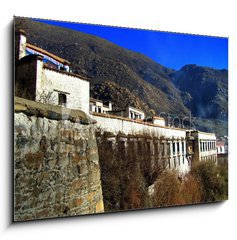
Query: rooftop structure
44	77
156	120
99	106
49	59
221	147
129	112
201	146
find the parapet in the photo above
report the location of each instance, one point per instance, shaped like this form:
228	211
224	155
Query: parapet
53	112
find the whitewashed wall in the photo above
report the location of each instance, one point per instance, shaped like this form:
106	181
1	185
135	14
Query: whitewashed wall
206	136
22	46
160	122
50	80
119	125
207	154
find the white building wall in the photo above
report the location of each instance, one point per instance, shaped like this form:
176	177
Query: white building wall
22	46
136	111
118	125
206	136
209	151
185	167
171	155
96	105
220	149
160	122
50	83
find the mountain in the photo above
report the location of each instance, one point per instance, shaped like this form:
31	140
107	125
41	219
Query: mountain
208	89
105	62
130	78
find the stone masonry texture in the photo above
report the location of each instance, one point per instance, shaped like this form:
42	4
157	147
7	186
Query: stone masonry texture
56	163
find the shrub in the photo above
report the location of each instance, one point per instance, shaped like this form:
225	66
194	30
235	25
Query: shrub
213	181
172	190
135	181
191	191
167	190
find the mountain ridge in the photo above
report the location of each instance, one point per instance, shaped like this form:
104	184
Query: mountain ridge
205	85
115	71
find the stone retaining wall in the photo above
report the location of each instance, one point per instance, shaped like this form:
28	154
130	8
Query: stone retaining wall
56	165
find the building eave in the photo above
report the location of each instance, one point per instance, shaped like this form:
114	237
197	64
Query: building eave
40	50
68	73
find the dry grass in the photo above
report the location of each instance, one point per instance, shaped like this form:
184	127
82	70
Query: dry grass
126	178
170	190
213	180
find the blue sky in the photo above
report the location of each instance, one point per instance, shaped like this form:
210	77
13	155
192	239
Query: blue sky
172	50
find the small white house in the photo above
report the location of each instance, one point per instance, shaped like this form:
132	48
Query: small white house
204	146
45	77
99	106
220	146
158	121
129	112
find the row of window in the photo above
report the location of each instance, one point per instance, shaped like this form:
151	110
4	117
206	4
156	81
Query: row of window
165	148
96	109
176	145
176	149
175	162
134	115
207	146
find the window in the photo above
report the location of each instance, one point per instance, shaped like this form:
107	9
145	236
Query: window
173	148
163	149
178	150
182	147
62	99
168	149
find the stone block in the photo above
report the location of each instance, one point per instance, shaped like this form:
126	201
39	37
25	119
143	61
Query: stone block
58	209
78	202
76	158
45	213
99	206
77	184
21	141
90	196
52	178
34	161
20	108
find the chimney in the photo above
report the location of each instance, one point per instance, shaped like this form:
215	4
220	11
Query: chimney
110	106
20	44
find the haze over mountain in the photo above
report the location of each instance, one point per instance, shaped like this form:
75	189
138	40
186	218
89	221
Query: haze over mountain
129	78
208	88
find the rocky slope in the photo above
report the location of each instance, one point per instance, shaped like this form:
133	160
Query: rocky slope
129	78
104	61
208	89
